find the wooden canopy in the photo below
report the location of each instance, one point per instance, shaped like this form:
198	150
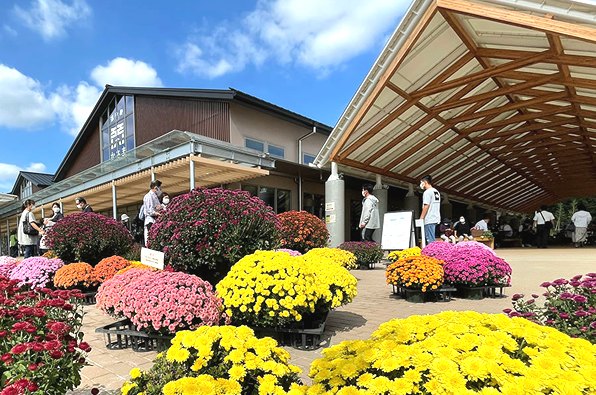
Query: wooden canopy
495	99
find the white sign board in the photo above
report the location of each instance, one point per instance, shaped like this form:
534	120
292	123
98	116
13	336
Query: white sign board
330	206
152	258
398	230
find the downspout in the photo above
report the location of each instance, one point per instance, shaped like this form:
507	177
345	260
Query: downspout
301	161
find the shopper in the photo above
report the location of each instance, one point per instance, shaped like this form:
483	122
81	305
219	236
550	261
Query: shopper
431	208
462	230
27	240
82	205
544	221
581	219
151	206
369	219
47	224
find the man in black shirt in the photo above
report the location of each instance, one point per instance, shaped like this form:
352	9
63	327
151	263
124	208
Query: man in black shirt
462	230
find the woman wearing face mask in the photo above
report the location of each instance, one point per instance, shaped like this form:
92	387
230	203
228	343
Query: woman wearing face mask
26	240
462	230
47	224
165	200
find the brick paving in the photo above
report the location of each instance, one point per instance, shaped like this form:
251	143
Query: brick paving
375	304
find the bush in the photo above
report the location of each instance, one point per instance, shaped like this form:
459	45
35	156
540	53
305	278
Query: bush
134	254
217	360
206	231
274	289
76	276
88	237
36	272
407	253
570	306
458	353
475	266
418	272
367	252
108	267
440	250
7	265
302	231
341	257
162	302
40	340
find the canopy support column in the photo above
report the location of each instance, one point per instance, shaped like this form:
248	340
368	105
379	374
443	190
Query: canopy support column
335	202
382	193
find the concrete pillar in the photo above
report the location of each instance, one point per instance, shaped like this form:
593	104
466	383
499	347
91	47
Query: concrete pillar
381	192
152	174
335	201
471	214
446	207
43	212
114	201
411	202
8	234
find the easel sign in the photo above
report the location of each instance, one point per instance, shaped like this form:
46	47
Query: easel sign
398	230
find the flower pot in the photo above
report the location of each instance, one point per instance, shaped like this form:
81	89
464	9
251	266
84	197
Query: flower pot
123	334
306	335
415	296
473	293
477	233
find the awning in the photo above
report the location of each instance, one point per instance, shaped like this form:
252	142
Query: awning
495	99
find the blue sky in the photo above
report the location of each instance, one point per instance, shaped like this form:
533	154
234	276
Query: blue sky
56	56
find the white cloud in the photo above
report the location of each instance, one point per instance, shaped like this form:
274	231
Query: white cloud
9	30
125	72
51	17
321	35
25	103
9	173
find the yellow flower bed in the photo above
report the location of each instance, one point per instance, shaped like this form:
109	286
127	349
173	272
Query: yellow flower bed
343	258
397	255
136	265
458	353
275	289
217	360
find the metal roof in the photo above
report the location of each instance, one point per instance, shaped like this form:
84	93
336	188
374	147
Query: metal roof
496	99
38	179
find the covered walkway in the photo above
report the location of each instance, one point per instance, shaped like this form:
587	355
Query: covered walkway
496	99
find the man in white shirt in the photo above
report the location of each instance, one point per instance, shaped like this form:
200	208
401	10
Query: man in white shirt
431	208
151	206
482	224
581	219
544	221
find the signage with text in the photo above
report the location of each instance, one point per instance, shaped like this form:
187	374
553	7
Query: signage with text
152	258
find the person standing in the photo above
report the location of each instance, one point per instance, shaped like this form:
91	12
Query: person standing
14	244
581	219
47	224
151	206
369	219
431	208
544	221
82	205
165	200
26	240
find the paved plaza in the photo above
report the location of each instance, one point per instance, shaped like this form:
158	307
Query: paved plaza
374	305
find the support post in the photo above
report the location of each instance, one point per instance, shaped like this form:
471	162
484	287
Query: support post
8	234
192	173
471	214
61	207
335	202
43	212
299	190
381	192
114	201
446	207
152	174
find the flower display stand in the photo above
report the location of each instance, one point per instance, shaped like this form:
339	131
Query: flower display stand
491	290
123	334
89	298
473	293
366	266
306	336
442	294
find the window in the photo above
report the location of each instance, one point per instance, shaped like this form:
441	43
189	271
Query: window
276	152
306	159
280	200
26	189
117	128
254	144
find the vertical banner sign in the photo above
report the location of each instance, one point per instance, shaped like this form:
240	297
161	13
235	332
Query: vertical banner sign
117	133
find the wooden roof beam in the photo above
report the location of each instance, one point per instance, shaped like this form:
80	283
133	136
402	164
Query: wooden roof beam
533	137
563	59
523	129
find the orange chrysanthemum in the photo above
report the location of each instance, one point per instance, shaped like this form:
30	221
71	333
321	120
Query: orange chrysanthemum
75	276
420	272
108	267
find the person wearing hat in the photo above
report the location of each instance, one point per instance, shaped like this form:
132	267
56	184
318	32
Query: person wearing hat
447	230
124	219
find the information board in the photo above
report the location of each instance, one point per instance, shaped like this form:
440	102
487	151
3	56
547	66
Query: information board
152	258
398	230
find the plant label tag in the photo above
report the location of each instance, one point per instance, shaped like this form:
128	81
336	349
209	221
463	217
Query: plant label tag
152	258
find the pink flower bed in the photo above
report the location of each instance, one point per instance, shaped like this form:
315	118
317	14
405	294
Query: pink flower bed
474	266
8	259
36	272
7	265
164	302
472	245
439	249
291	252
